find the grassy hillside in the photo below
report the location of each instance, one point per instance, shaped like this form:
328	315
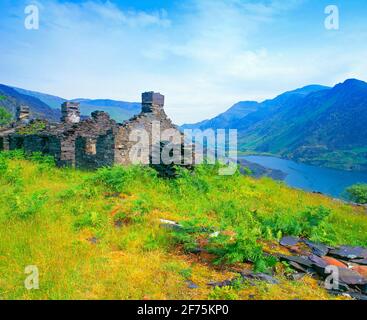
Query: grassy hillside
97	235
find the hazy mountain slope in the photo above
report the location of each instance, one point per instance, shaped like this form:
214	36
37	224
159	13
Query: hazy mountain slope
224	120
315	124
244	113
272	107
38	108
52	101
118	110
324	128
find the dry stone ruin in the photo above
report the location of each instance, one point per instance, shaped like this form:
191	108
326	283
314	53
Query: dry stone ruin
93	142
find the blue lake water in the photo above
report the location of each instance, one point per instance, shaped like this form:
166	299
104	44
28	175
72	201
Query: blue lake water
311	178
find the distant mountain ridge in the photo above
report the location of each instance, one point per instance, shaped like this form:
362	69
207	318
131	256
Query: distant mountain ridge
53	102
118	110
244	108
314	124
238	110
38	108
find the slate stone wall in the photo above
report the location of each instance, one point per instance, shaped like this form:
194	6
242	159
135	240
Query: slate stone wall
70	112
147	122
4	137
104	151
95	142
72	152
22	114
16	142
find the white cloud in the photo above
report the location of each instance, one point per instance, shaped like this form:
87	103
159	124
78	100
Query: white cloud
102	12
204	57
111	12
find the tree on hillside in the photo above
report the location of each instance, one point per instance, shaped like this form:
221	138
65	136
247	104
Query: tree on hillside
5	116
358	193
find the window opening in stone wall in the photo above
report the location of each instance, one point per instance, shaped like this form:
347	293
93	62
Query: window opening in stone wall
91	147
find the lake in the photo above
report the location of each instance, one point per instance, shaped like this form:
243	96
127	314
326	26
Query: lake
311	178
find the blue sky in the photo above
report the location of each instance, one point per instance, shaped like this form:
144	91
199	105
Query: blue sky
204	55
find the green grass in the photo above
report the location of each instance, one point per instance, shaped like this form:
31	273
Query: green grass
97	235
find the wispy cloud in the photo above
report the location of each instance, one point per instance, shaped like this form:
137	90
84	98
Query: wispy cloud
106	12
204	55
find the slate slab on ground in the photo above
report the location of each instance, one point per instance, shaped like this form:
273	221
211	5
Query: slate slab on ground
289	241
318	249
348	264
350	253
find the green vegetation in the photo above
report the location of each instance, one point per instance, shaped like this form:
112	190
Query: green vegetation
301	129
5	116
358	193
33	128
98	235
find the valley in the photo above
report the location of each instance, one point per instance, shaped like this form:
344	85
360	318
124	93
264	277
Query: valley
316	125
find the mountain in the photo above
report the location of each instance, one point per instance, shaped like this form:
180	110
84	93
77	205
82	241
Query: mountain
38	108
239	110
118	110
254	110
315	124
326	128
53	102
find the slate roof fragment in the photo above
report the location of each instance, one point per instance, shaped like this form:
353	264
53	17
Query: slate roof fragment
289	241
317	248
350	253
260	277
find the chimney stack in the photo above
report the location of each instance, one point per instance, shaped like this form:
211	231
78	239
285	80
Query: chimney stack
22	114
70	112
152	102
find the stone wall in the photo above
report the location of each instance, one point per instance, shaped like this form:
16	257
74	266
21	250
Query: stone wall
16	142
97	141
4	138
91	129
94	153
70	112
153	124
46	144
152	102
22	114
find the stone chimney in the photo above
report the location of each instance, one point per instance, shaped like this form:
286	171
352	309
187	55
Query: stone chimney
22	114
152	102
70	112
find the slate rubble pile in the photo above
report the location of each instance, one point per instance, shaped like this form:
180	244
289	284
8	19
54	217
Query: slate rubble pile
343	268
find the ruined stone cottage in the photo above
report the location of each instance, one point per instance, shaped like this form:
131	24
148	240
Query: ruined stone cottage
91	143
